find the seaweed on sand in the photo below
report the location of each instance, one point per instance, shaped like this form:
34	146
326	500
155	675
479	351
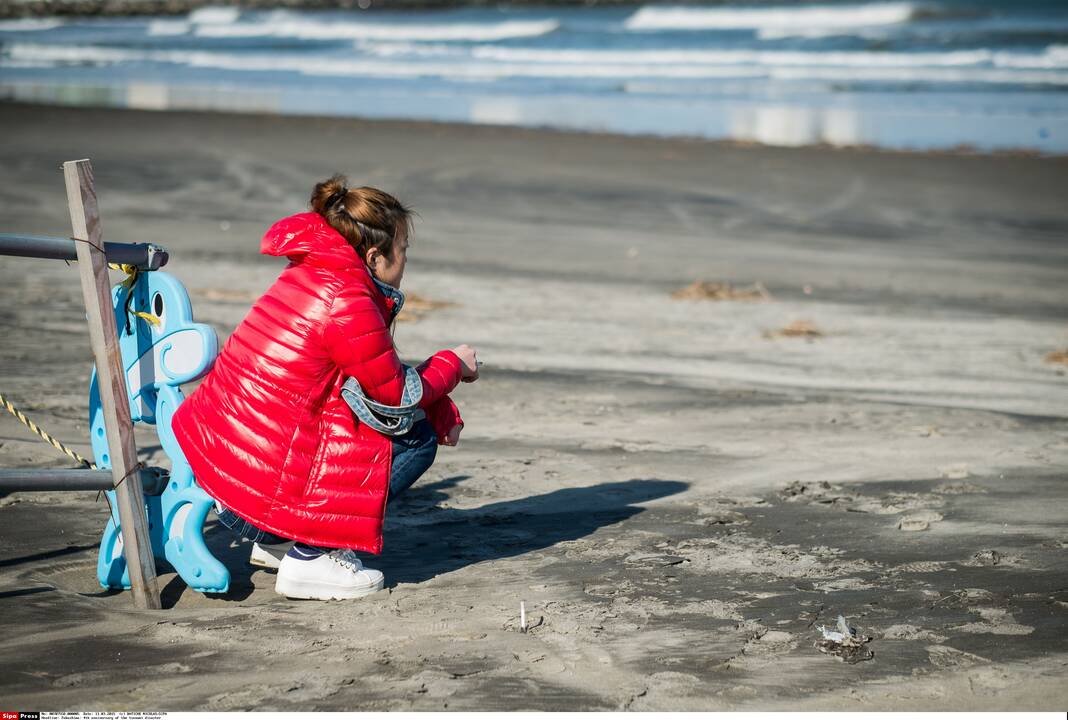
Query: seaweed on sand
701	290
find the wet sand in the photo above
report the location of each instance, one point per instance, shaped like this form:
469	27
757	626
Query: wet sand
680	493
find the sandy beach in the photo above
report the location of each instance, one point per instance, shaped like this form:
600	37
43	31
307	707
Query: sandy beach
682	490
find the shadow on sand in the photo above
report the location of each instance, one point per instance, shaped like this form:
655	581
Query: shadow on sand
423	540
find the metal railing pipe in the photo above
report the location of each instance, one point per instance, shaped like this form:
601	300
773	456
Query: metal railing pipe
146	256
51	479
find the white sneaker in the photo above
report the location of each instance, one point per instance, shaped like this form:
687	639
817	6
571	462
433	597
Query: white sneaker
268	556
334	575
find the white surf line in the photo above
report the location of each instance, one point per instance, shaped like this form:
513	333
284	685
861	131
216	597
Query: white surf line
823	16
1052	57
489	70
31	24
314	30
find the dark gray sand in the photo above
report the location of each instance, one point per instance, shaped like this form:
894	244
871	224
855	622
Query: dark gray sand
680	494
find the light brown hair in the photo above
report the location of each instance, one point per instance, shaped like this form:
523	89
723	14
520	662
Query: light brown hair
366	217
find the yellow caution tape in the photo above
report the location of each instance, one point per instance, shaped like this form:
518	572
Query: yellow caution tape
132	271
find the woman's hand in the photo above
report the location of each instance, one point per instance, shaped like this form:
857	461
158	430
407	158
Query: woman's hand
469	360
454	435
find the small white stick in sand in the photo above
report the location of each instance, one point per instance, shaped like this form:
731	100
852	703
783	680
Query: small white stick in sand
522	616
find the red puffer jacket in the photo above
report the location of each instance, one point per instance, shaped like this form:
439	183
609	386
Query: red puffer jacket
267	432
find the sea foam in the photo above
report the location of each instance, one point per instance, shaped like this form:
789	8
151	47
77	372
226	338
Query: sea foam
167	28
30	24
288	26
215	15
1054	57
766	18
467	69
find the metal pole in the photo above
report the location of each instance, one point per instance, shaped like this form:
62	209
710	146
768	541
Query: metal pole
146	256
49	479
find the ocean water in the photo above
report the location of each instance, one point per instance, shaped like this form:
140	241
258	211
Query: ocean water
921	75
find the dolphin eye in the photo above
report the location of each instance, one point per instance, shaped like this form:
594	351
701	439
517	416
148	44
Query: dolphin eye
157	306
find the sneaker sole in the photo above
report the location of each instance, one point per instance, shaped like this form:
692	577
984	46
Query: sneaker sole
257	562
323	591
265	559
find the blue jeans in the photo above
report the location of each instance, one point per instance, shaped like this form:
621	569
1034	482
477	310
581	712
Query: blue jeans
413	454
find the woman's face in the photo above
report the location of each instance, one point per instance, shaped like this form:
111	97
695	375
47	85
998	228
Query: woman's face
390	269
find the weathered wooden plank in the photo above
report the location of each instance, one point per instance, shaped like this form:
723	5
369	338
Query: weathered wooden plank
96	289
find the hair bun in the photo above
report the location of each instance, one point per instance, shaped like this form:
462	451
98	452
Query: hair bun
365	217
329	194
335	198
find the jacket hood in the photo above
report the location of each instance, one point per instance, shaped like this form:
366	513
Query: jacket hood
307	237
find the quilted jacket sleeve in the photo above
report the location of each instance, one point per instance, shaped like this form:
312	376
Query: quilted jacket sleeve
443	416
358	341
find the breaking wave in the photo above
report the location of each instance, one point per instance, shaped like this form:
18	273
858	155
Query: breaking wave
498	63
1054	57
769	18
30	24
291	26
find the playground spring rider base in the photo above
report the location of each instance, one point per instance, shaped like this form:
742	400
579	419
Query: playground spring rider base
162	348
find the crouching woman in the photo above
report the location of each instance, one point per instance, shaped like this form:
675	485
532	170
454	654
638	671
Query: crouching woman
271	432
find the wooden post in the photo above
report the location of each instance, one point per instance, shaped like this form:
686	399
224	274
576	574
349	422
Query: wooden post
111	380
